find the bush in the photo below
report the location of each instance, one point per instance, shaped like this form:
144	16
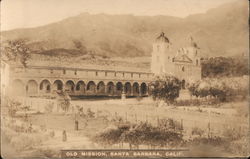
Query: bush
197	131
90	114
197	102
223	89
137	134
13	106
233	134
214	141
166	88
170	125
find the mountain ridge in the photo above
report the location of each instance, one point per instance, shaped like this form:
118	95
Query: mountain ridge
220	31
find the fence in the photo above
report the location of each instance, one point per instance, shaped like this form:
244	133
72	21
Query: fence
209	125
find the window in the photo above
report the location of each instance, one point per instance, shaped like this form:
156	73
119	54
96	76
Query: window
183	69
197	62
115	74
64	71
75	72
158	48
51	71
132	74
48	88
172	59
106	73
139	75
123	74
96	73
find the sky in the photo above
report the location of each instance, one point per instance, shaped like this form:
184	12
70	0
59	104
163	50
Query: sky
33	13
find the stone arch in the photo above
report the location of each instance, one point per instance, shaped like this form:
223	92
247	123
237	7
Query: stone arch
32	87
144	88
119	88
110	88
18	88
45	86
57	85
127	88
136	90
101	87
80	87
91	87
70	86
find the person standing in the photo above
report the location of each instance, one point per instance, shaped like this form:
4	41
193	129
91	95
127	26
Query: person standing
64	136
76	125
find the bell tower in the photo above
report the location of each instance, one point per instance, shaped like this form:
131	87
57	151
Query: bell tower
161	55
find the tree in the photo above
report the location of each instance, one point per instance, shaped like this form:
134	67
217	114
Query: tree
79	46
166	88
17	50
224	66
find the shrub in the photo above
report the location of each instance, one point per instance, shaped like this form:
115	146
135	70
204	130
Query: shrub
197	131
223	89
169	125
137	134
13	106
90	114
232	133
214	141
166	88
109	136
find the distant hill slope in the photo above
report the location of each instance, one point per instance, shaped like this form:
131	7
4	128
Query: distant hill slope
222	31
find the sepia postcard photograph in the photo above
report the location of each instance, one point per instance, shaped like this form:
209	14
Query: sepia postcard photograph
124	79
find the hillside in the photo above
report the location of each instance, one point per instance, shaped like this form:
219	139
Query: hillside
222	31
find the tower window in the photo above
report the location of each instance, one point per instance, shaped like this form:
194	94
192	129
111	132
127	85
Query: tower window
96	73
115	74
106	73
51	71
158	48
183	69
75	72
123	74
197	62
131	74
64	71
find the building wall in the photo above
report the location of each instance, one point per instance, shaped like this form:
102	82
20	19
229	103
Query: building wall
34	81
163	62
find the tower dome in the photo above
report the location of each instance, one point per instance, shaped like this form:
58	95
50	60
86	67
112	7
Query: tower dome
162	38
